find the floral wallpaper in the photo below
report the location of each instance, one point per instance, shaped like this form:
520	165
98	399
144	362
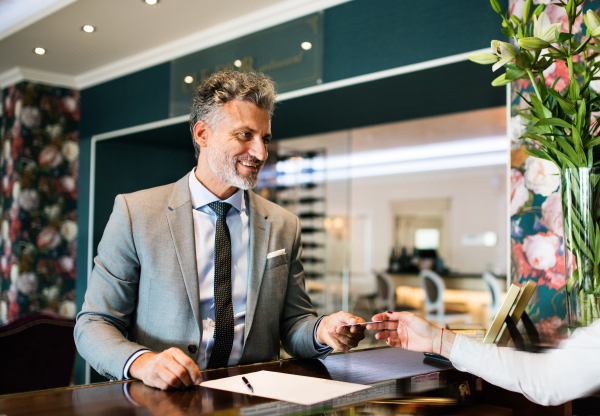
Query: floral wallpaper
39	160
535	204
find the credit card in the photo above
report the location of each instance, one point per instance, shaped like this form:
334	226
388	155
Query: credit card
364	323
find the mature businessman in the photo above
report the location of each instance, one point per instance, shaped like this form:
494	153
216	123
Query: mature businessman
203	273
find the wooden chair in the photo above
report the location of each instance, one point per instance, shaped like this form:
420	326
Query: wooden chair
36	352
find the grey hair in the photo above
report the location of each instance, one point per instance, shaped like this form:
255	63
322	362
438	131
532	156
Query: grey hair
225	86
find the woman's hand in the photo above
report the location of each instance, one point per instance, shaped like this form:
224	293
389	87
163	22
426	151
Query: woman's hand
409	331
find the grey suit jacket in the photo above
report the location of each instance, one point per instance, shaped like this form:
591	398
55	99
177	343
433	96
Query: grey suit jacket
144	290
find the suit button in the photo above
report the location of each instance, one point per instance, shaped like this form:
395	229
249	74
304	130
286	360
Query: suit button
192	348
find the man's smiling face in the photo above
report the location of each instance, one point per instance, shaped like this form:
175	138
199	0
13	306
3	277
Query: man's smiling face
237	147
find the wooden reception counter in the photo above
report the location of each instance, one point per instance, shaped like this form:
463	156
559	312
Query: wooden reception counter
393	373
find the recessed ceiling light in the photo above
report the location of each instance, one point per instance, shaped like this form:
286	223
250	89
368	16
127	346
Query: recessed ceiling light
150	1
188	79
306	45
88	28
238	63
40	51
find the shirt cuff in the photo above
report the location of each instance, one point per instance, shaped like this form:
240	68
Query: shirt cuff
319	347
130	361
468	354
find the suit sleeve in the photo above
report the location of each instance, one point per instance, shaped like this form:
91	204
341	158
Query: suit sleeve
298	320
110	298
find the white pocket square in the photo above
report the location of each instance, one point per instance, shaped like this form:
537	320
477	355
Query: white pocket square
276	253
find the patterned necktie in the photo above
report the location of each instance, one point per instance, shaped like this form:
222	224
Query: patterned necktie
223	303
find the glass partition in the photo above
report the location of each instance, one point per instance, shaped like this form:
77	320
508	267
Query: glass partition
379	204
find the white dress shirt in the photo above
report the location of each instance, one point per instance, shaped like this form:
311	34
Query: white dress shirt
549	378
205	220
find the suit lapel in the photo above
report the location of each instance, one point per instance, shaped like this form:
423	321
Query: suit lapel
181	224
259	244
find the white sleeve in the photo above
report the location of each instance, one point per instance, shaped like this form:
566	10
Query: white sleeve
549	378
130	361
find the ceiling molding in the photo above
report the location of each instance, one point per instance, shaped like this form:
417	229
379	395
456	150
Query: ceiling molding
10	77
233	29
18	74
55	6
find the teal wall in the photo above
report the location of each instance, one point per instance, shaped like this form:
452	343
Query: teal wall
360	37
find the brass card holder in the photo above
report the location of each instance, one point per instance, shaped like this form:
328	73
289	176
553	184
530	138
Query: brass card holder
512	310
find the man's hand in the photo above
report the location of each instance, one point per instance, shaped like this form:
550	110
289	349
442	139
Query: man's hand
171	368
341	338
409	331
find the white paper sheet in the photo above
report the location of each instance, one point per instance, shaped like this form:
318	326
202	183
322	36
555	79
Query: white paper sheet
287	387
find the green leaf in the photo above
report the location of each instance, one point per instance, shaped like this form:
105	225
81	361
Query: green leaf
566	105
566	161
543	155
579	146
542	111
581	114
501	80
554	122
568	149
594	142
581	47
574	89
539	9
508	32
512	74
496	6
563	37
579	69
597	246
557	55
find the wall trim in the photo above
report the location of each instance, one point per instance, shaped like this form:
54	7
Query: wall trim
406	69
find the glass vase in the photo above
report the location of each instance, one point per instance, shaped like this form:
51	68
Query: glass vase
581	211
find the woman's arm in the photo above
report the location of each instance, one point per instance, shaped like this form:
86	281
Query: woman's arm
549	378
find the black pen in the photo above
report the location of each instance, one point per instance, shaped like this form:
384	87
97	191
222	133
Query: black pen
248	384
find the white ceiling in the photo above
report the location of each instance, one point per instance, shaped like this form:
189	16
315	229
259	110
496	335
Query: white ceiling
129	36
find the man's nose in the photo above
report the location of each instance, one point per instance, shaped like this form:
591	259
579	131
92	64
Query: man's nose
258	149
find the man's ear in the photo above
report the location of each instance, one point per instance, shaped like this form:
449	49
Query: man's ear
201	133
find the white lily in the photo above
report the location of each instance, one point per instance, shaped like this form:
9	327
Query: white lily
592	22
543	29
505	51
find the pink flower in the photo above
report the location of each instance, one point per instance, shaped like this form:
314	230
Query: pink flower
31	117
27	283
13	311
540	250
49	238
525	268
551	74
559	15
17	146
68	185
67	266
15	229
518	192
50	156
552	216
548	330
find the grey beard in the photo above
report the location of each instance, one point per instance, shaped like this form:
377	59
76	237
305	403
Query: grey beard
225	167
